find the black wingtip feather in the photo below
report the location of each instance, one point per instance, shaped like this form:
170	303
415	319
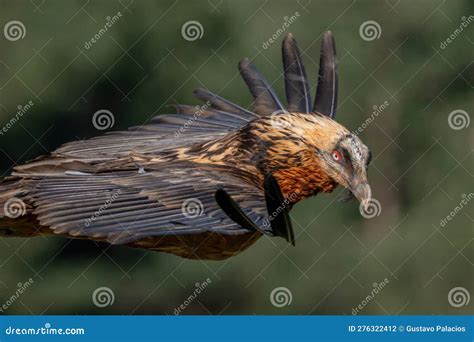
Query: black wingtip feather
326	93
278	210
232	209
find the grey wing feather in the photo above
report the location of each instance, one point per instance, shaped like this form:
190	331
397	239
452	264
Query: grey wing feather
223	104
126	206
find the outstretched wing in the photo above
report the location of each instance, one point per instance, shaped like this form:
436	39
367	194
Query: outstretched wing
125	206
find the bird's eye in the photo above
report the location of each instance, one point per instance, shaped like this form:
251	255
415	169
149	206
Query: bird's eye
336	155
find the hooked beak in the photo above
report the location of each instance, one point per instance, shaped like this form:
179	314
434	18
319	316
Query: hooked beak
361	190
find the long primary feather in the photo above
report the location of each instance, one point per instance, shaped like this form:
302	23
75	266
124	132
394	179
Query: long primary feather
266	100
326	93
296	81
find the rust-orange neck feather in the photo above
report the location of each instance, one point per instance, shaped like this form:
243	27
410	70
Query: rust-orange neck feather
298	182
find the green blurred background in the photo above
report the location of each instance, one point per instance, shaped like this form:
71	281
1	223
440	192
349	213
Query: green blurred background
142	65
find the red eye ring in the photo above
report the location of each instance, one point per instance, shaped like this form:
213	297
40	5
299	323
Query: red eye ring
336	155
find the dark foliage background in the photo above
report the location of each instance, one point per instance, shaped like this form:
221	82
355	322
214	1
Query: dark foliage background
142	64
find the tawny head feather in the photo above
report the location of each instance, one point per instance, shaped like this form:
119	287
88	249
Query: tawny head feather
300	145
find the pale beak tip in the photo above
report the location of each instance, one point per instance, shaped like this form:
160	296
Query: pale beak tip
366	203
364	194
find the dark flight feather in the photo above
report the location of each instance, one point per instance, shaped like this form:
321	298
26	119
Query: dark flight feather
278	210
223	104
296	82
232	209
326	93
266	100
